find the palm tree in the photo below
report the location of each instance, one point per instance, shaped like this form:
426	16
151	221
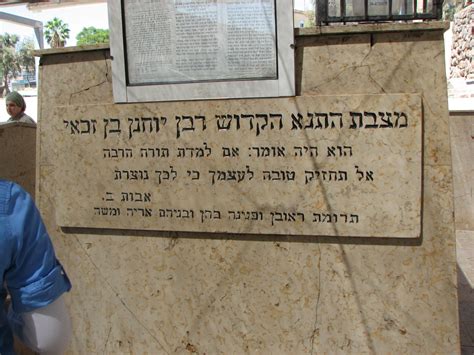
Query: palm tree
56	33
9	40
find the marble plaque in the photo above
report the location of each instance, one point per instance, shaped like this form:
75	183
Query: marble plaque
326	166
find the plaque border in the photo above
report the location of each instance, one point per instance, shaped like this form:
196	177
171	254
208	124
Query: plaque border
282	86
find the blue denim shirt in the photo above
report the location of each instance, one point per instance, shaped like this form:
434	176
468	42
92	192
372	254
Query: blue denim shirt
29	269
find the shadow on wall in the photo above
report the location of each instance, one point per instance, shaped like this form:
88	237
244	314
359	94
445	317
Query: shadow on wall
466	313
18	154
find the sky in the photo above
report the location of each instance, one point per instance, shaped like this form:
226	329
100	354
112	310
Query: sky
77	17
302	4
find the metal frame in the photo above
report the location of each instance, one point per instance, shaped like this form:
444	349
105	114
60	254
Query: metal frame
37	25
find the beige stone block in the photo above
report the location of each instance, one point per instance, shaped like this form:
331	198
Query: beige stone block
106	325
462	143
175	292
246	294
382	63
86	78
18	154
465	257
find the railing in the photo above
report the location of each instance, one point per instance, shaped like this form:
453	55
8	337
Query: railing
330	11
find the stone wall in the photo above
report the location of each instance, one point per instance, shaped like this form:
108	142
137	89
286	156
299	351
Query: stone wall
462	143
462	52
18	154
138	291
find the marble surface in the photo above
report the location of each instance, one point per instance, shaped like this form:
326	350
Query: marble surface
18	154
332	165
176	292
462	142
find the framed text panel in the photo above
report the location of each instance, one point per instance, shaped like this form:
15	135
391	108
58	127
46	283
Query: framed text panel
189	50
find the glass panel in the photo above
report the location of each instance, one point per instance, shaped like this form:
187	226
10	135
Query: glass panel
355	8
429	6
378	7
200	40
402	7
334	8
419	6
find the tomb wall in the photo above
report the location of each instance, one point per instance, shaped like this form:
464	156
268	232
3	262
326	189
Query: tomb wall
148	291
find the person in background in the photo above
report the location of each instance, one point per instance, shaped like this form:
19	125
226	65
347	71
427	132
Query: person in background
16	107
31	278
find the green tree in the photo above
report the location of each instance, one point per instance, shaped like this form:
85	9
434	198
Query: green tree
9	60
26	58
314	13
311	18
92	35
56	33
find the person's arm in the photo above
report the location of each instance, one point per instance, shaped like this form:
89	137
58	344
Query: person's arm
36	280
46	330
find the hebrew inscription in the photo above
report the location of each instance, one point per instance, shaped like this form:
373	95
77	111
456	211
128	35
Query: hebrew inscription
325	165
185	41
